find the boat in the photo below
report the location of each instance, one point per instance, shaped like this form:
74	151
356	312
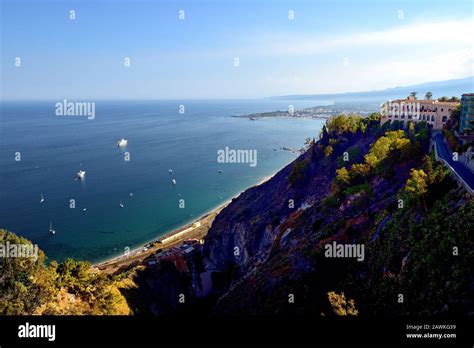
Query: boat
170	171
85	209
42	198
221	171
80	174
122	142
51	229
121	204
173	181
131	194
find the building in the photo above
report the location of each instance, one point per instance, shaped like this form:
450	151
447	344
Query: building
466	121
433	112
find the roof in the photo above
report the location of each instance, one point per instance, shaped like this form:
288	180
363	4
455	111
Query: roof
425	101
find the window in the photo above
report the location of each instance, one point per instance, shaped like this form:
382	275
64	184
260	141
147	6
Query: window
432	118
445	118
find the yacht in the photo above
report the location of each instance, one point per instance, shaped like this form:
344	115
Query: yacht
51	229
173	181
42	198
122	142
80	174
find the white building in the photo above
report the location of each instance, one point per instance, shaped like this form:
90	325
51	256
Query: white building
434	112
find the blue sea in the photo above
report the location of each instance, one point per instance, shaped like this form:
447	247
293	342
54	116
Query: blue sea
54	148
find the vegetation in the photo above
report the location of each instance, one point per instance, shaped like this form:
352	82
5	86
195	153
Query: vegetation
450	139
447	99
389	147
344	123
298	172
328	150
416	252
28	286
342	306
428	95
455	117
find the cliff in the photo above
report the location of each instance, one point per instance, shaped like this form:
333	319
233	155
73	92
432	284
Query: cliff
266	254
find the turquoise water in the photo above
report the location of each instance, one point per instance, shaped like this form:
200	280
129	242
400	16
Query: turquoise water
54	148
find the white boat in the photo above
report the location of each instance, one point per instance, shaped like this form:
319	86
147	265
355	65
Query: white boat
131	194
170	171
85	209
121	204
173	181
51	229
221	171
42	199
122	142
80	174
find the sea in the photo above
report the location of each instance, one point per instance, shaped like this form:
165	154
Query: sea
41	152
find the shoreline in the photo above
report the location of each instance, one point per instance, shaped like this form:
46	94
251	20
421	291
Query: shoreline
192	230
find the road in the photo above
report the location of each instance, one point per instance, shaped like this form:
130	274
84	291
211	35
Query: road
460	169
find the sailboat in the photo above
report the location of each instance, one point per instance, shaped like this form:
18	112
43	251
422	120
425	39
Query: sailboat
51	229
42	198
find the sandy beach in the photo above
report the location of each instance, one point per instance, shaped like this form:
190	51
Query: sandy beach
196	230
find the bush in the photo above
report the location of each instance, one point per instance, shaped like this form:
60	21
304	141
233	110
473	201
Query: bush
297	172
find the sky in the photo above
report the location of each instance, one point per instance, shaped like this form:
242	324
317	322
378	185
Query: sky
228	49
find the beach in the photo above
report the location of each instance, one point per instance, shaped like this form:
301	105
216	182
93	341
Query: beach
196	230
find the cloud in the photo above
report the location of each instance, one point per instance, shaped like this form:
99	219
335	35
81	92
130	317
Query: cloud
446	34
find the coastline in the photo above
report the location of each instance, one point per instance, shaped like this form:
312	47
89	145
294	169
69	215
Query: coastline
196	229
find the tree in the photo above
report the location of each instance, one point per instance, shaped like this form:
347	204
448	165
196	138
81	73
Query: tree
411	130
413	94
443	99
324	132
454	99
428	95
28	286
417	184
328	151
455	116
342	175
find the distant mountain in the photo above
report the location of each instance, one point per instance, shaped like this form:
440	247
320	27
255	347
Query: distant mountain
439	88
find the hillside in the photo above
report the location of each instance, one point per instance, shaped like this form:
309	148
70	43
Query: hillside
29	286
265	252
